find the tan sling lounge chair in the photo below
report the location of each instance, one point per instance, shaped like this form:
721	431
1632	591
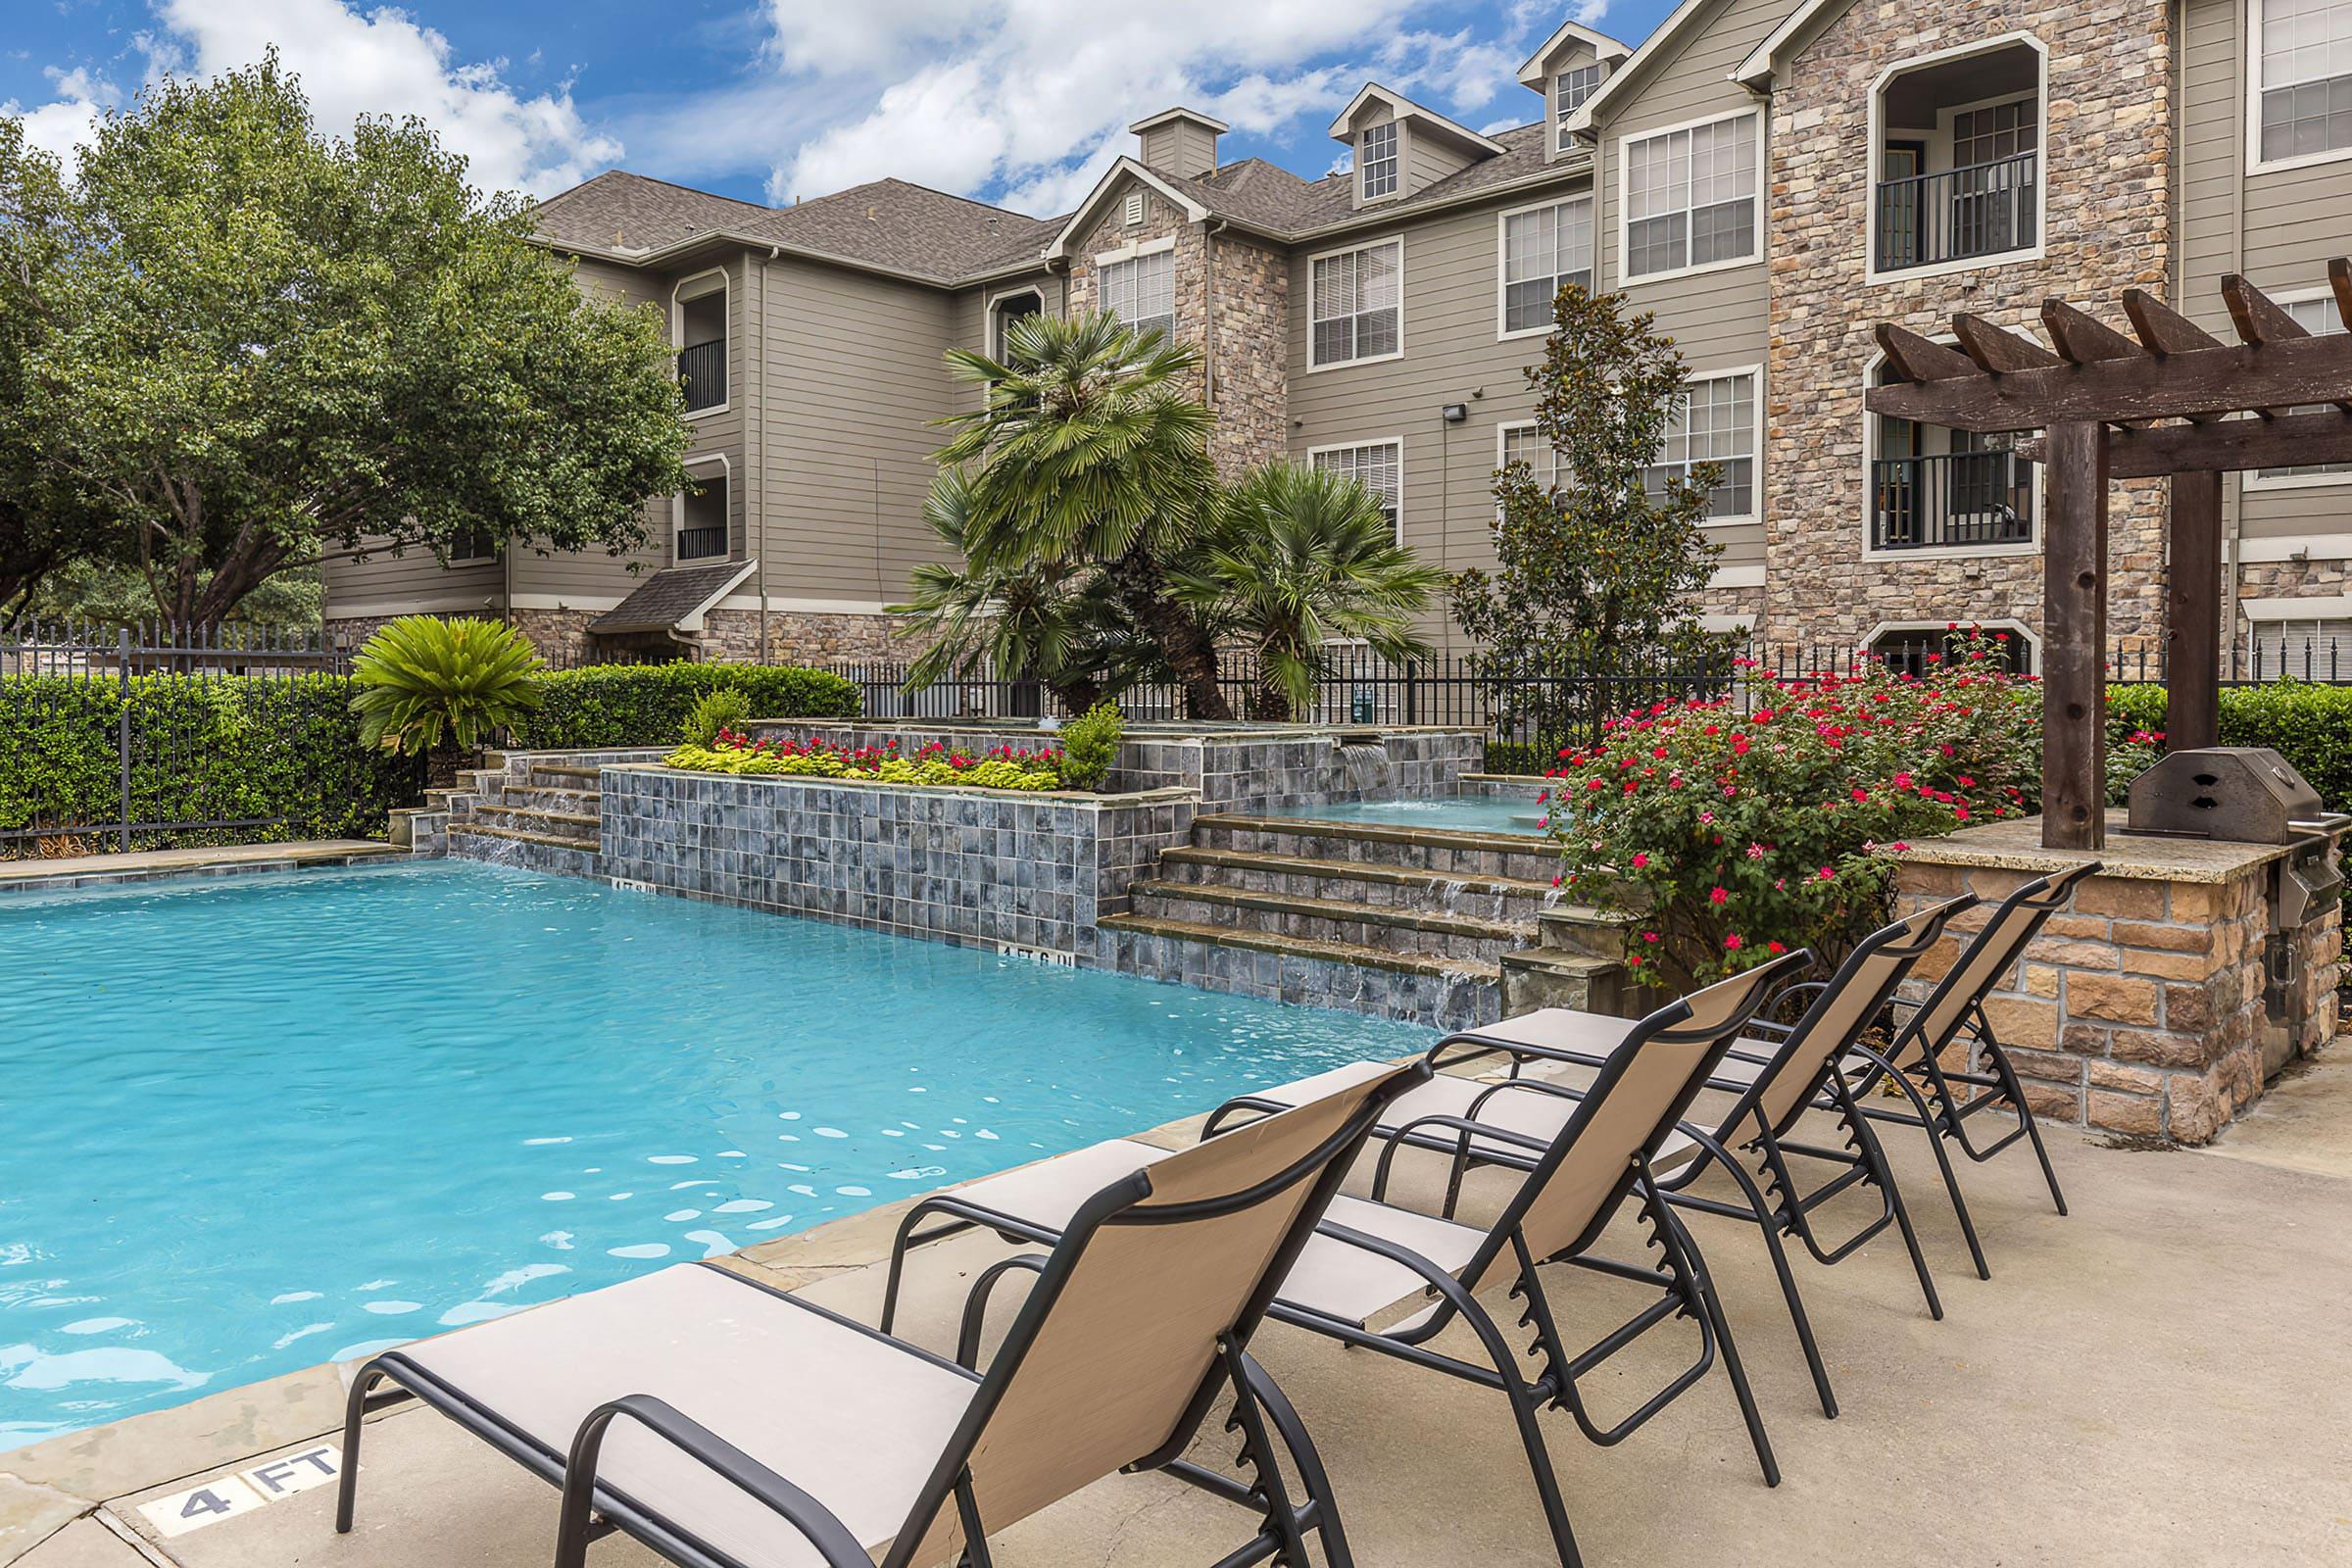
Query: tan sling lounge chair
1391	1280
728	1425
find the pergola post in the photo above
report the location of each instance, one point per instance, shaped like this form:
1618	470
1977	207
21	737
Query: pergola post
2074	728
2192	621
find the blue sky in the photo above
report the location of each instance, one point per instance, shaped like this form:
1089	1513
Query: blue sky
1019	101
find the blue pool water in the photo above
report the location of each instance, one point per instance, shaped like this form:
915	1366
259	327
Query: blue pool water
1476	814
260	1123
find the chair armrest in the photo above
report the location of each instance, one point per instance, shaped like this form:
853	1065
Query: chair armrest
816	1523
1475	1047
975	1304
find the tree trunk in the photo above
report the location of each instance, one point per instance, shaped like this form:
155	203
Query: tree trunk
441	765
1186	649
1268	702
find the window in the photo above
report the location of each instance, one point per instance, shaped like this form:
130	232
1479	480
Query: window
1542	249
2318	316
1691	198
1378	468
2300	650
1716	424
1918	650
1570	92
700	308
1006	309
1988	135
1525	443
703	517
1378	156
472	543
2303	80
1140	290
1354	310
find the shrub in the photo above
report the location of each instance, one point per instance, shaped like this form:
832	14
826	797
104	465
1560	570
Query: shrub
2309	725
1737	835
1002	768
722	709
245	749
1089	746
429	685
646	705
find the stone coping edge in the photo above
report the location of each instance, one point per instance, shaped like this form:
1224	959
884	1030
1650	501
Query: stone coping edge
1170	795
62	881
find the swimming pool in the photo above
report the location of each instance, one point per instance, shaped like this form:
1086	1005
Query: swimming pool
260	1123
1472	813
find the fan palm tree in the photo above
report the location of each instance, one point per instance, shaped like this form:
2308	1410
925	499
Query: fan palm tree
1046	621
1088	450
1299	557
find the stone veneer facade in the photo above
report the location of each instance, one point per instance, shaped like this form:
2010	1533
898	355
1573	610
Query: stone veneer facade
2108	188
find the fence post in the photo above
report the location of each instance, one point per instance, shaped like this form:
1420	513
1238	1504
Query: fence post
1412	691
123	727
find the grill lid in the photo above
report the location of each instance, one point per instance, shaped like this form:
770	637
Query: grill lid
2241	794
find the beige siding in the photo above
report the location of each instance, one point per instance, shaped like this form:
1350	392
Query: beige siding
2279	228
1718	320
1429	159
854	380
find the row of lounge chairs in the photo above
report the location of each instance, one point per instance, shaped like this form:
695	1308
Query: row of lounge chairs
729	1425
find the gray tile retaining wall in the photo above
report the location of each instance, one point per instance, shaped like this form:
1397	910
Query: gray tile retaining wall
975	867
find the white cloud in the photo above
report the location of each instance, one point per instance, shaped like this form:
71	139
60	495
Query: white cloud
67	121
382	61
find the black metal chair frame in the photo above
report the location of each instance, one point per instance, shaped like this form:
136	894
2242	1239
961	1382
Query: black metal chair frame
1939	1108
1260	1413
1777	1205
1684	1288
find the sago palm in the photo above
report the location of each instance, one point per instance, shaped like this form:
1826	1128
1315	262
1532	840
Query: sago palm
1088	448
442	687
1300	557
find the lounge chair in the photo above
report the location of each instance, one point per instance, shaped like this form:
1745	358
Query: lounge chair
1391	1280
1772	1083
729	1425
1953	1014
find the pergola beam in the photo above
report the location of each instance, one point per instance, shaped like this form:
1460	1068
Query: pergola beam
2082	337
1912	358
2225	446
1999	351
2162	328
2200	381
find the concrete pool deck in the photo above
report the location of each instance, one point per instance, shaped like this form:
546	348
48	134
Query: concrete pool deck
2164	1377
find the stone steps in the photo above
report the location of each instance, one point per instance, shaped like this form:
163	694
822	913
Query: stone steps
529	811
1453	855
1372	927
1495	898
517	835
1440	992
578	827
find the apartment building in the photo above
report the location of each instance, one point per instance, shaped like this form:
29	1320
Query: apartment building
1770	177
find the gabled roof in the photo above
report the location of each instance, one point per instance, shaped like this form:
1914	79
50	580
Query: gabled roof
1167	185
1764	61
675	598
617	210
1404	108
1531	74
1179	112
1667	37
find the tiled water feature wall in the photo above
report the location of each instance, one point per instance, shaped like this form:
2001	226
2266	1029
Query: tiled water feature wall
977	867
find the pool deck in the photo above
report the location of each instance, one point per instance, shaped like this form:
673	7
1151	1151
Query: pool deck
2163	1378
148	866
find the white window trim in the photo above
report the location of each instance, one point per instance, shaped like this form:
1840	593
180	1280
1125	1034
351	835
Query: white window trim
456	562
2255	164
1870	453
1397	156
677	509
1503	277
2012	626
1312	368
1395	441
2252	478
1877	148
1755	514
987	314
1141	247
680	293
1625	222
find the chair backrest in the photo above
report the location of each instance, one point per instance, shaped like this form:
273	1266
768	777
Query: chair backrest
1840	1012
1115	1360
1983	961
1637	1096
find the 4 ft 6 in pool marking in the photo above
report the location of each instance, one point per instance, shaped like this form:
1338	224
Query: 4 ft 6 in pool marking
225	1496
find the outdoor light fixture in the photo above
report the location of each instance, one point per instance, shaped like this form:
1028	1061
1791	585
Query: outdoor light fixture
1456	413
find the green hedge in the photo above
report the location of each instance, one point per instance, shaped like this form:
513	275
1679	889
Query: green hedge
232	748
2311	726
646	705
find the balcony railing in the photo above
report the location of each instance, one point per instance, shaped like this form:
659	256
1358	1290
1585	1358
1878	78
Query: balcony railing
1951	502
703	373
1982	210
702	544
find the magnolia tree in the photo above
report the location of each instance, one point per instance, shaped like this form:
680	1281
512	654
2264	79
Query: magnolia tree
1738	828
1603	561
235	346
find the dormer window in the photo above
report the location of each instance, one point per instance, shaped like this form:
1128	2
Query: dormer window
1376	157
1570	90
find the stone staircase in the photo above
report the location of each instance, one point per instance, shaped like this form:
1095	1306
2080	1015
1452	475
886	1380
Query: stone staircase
538	811
1435	927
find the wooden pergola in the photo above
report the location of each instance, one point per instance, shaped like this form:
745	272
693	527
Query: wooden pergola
2105	403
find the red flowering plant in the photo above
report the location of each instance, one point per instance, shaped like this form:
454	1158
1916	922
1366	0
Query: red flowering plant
1736	828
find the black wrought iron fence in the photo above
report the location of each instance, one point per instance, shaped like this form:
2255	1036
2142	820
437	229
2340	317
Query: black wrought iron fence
114	738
